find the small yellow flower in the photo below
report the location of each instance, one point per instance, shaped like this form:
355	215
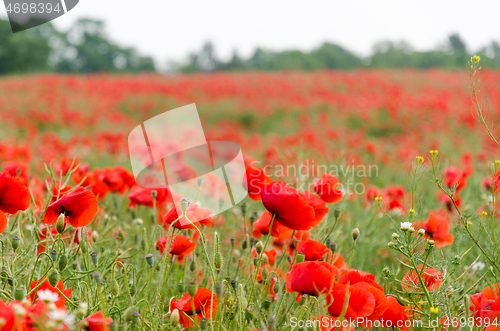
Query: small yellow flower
475	59
484	214
434	310
420	159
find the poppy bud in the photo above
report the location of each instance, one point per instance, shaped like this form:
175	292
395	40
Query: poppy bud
95	236
234	284
154	194
127	314
16	241
355	234
259	246
218	289
63	261
328	242
255	261
266	304
333	247
143	244
134	317
203	323
61	224
199	181
276	287
54	278
20	293
336	213
53	255
192	266
174	317
253	217
265	273
299	258
243	209
95	258
74	265
150	259
244	244
133	289
192	289
114	288
181	287
184	205
218	260
232	240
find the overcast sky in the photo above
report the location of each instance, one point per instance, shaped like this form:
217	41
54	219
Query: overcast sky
170	29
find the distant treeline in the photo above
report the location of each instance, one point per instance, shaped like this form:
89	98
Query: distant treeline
386	54
85	48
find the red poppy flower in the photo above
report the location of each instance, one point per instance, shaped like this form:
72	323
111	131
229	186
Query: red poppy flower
256	177
312	249
291	208
96	322
313	278
144	196
361	302
79	208
8	317
194	213
437	228
3	222
366	283
395	315
455	177
485	309
181	246
430	276
14	195
261	226
46	286
327	189
205	305
319	206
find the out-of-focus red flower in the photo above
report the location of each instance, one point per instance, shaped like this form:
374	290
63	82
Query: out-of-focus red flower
437	228
144	196
14	195
46	286
485	309
17	169
395	315
3	222
181	246
8	316
96	322
256	177
261	226
455	177
327	189
444	199
79	208
292	209
205	305
312	250
271	255
431	277
194	213
310	277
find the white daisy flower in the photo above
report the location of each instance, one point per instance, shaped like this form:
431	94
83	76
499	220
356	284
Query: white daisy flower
62	316
405	226
47	296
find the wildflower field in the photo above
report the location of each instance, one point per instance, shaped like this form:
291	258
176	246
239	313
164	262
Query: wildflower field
372	204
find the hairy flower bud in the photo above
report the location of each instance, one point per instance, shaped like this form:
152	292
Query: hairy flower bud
61	224
355	234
